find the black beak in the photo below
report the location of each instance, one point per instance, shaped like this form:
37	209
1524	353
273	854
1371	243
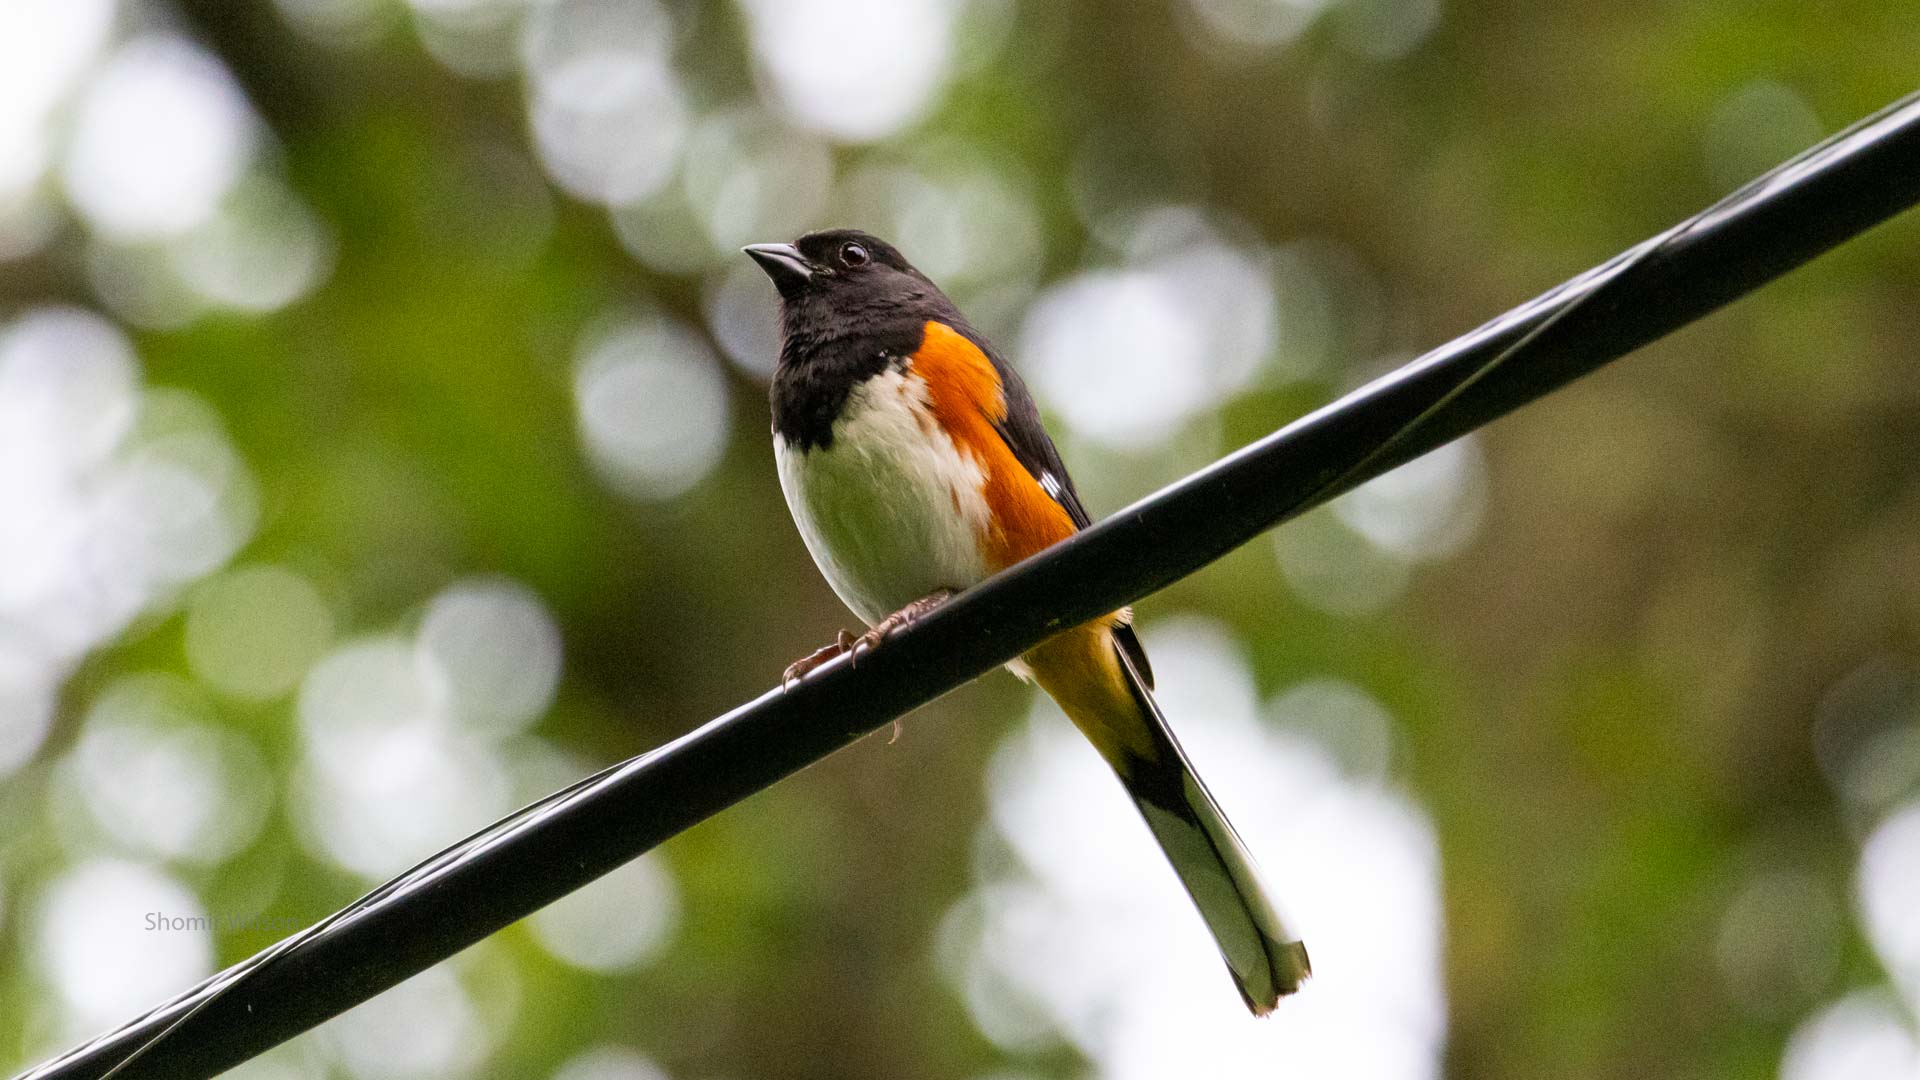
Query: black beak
783	263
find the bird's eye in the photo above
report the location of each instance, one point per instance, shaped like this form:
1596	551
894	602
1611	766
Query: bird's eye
854	255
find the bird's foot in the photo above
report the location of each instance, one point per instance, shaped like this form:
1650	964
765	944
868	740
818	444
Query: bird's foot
803	667
871	640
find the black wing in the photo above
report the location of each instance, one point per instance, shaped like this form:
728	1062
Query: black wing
1033	448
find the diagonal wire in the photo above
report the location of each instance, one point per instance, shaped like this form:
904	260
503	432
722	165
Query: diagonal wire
1595	285
1805	206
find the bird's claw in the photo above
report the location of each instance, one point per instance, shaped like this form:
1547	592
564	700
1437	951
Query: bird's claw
871	640
798	670
866	643
856	648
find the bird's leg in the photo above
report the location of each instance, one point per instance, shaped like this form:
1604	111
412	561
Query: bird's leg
843	642
864	644
871	640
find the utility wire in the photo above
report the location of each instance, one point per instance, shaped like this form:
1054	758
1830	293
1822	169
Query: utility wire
540	853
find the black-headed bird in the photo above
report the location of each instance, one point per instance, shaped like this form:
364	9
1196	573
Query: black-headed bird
915	465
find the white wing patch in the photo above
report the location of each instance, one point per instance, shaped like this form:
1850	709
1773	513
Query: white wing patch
1050	484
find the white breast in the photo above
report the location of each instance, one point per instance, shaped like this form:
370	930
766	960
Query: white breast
891	509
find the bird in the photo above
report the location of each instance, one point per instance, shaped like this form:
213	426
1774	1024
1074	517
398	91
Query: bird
915	465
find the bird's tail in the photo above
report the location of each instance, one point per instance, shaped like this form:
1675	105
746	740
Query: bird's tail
1106	693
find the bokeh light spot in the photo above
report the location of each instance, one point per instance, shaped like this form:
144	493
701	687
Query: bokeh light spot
1347	722
1866	733
162	135
904	52
163	779
498	650
423	1029
26	705
1127	356
476	38
1864	1036
1754	128
375	727
1779	941
609	1063
749	179
1117	355
652	405
616	923
262	251
113	937
963	220
1386	29
344	24
1424	510
743	312
608	113
1255	24
113	497
45	46
665	233
253	632
140	284
558	32
1331	567
68	386
1890	894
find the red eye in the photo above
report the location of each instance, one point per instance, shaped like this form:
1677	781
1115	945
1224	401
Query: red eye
854	255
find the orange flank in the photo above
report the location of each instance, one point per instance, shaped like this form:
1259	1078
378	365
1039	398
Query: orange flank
1079	668
964	392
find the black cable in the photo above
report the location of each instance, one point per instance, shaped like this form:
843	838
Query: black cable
552	847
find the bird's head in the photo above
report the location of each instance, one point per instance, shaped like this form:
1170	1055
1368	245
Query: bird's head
846	280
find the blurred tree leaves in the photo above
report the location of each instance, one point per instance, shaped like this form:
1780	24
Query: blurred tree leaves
1605	702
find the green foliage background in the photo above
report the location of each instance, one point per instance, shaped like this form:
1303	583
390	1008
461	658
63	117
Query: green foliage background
1608	701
